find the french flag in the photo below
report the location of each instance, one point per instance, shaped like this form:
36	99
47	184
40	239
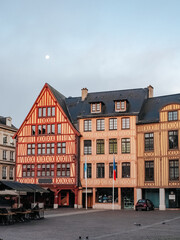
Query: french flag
114	168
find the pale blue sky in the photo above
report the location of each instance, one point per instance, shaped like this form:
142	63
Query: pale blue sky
99	44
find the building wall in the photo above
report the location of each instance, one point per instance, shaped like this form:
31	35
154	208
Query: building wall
8	146
107	158
68	136
161	155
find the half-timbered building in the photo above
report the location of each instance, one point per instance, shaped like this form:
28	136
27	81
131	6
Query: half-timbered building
158	151
47	148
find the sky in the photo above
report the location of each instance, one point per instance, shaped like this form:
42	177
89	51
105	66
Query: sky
102	45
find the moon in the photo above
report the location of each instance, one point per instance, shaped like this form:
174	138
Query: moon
47	57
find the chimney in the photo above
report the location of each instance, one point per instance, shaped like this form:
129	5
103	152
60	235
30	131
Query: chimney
151	90
84	93
8	121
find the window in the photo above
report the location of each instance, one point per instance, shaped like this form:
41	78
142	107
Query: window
111	170
11	173
125	123
120	106
87	125
50	129
59	128
87	147
100	146
45	170
31	149
4	139
172	116
33	130
113	124
149	171
63	170
4	172
50	148
28	170
149	141
174	169
4	154
100	125
46	112
125	170
173	139
95	107
11	141
113	146
61	148
39	112
41	149
11	155
88	170
100	170
125	145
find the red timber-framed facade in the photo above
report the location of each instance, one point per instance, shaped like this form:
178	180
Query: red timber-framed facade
47	148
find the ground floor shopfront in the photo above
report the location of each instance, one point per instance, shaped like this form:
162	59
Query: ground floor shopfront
101	198
61	196
162	198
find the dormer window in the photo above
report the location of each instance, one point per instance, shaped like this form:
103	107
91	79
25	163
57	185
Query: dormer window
95	107
120	106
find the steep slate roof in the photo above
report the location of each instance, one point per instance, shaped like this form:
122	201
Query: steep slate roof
82	109
61	100
152	106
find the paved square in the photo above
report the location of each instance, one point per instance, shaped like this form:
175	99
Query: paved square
69	224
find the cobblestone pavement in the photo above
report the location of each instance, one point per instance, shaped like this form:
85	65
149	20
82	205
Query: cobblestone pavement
70	224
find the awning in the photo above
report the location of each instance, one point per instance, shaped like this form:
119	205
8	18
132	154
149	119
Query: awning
37	188
21	187
8	193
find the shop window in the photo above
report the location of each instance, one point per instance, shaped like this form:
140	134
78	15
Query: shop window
104	195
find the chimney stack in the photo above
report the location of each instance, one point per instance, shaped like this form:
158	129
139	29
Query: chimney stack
8	121
84	93
151	91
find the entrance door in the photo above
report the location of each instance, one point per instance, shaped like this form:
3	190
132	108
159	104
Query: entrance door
127	198
89	200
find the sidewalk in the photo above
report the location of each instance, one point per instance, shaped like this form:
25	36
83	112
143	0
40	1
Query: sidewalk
49	213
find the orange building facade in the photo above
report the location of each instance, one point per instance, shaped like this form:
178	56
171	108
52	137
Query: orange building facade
47	149
108	130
